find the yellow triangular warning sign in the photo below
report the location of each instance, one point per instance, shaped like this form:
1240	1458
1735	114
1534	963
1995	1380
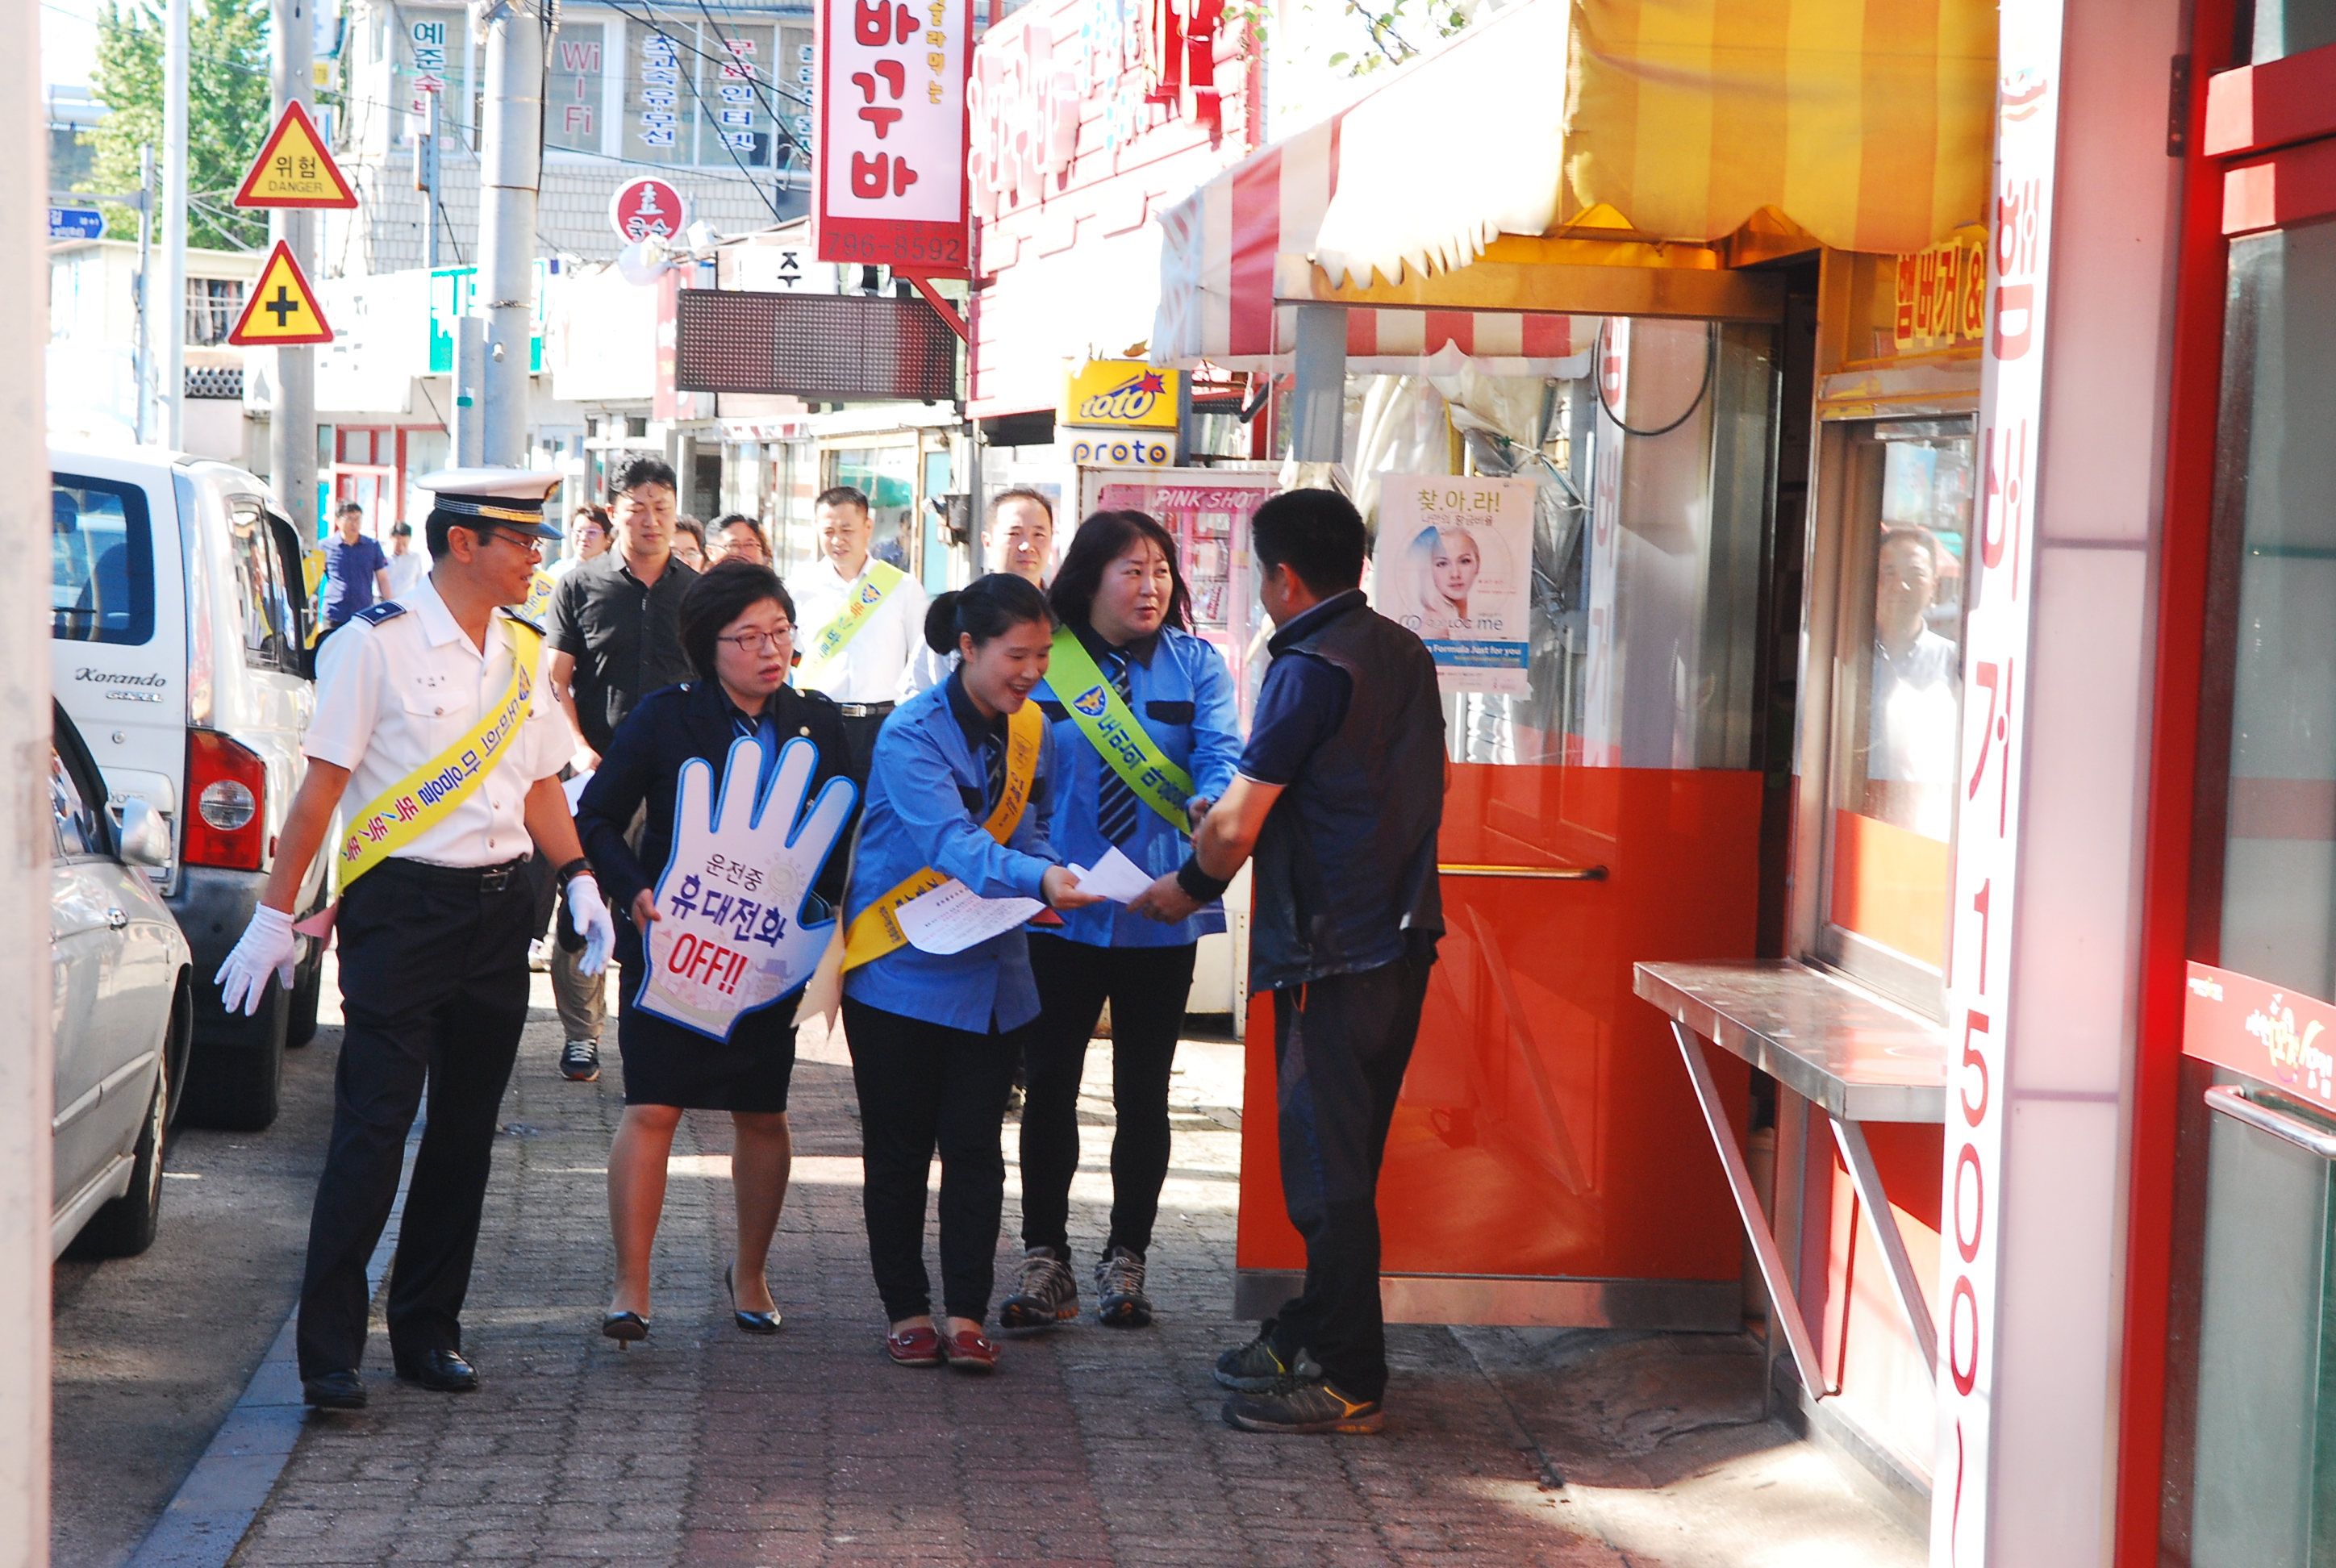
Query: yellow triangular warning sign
293	169
281	311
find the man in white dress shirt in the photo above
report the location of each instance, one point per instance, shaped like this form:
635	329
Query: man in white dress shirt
860	619
1020	538
437	739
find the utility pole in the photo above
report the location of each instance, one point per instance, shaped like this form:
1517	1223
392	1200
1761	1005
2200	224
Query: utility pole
511	165
426	164
292	422
144	359
167	299
27	1076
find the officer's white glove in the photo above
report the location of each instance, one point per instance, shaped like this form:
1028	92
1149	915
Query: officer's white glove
588	912
268	943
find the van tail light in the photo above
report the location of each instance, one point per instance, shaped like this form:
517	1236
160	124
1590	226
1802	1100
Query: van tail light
227	794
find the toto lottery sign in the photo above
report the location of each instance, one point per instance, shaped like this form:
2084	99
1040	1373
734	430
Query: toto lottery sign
647	209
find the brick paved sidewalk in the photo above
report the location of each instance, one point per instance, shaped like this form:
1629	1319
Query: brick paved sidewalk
1091	1446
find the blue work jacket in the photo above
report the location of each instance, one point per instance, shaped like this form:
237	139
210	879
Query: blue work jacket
924	807
1181	694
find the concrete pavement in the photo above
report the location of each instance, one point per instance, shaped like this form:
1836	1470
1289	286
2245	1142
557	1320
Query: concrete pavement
705	1446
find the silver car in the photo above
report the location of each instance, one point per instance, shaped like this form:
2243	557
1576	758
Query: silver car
122	1009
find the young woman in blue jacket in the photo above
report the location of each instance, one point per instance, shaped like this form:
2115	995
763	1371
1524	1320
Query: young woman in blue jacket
934	1037
1120	596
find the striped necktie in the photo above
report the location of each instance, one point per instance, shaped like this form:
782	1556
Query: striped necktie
1116	803
993	768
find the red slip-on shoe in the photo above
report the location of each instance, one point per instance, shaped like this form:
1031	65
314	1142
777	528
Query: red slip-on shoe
916	1347
971	1350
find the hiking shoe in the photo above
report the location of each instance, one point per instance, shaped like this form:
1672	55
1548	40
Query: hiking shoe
1298	1407
1048	1294
1119	1287
580	1063
1257	1367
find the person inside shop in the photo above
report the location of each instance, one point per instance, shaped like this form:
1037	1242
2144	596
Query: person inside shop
738	537
689	543
1914	723
737	626
862	617
959	789
591	531
615	634
408	566
1339	795
1020	538
433	919
1124	650
356	571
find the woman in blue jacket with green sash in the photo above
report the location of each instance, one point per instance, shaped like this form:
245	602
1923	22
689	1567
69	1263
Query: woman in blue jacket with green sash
1146	729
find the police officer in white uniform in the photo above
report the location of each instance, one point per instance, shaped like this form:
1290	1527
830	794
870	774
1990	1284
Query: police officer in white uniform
433	938
868	675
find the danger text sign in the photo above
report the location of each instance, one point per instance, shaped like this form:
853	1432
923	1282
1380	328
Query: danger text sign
890	161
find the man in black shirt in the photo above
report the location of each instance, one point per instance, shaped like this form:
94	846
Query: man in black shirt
615	637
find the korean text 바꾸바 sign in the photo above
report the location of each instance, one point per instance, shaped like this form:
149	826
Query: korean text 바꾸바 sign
890	164
1455	564
729	936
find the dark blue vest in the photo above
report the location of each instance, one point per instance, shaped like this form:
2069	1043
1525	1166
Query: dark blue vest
1346	865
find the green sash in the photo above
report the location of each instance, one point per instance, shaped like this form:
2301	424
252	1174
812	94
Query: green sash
883	577
1103	716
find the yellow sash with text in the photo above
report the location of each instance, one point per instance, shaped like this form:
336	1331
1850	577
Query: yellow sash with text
414	804
877	930
832	639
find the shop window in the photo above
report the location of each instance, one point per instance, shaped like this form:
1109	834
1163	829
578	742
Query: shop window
573	112
2276	508
2278	28
1889	809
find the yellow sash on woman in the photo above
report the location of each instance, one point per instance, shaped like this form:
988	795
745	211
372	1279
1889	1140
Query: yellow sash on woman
414	804
876	931
1127	748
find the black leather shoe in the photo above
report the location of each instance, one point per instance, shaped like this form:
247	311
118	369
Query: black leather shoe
335	1391
441	1371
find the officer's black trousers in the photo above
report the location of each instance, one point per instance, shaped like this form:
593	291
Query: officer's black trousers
434	986
1340	1046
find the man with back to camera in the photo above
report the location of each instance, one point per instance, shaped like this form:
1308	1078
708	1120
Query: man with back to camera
615	635
433	921
1020	538
860	619
1340	793
356	571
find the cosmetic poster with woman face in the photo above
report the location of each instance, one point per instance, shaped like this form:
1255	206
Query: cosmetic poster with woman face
1455	564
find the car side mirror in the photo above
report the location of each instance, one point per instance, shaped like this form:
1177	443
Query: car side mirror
145	837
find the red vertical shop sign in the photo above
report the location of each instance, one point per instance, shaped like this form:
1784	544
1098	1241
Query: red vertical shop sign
1995	681
891	159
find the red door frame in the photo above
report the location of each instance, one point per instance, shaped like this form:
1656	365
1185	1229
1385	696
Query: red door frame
2252	109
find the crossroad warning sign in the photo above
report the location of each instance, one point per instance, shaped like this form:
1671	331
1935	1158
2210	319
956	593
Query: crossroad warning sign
282	309
293	169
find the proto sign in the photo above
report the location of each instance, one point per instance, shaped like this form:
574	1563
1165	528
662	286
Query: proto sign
647	209
281	311
293	168
891	160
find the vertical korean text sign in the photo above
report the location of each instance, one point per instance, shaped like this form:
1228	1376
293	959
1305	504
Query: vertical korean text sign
890	163
1965	1527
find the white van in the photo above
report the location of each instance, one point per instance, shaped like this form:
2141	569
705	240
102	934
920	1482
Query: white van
179	629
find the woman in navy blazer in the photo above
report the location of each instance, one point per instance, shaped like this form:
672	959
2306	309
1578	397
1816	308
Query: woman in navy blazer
737	624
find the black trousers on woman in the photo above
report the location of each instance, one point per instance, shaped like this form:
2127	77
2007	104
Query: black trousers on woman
924	1086
1147	987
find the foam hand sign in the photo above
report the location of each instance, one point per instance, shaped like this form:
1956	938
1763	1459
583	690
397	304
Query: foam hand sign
729	936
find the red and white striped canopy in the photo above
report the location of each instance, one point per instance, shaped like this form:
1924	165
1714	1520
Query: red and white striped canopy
1217	280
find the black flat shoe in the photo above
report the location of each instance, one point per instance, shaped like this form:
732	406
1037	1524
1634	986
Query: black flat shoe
625	1328
335	1391
751	1322
440	1371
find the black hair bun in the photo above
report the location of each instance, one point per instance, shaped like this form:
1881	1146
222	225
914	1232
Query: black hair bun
941	623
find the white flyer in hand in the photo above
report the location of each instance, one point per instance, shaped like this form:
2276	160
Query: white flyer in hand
1114	877
953	917
729	936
